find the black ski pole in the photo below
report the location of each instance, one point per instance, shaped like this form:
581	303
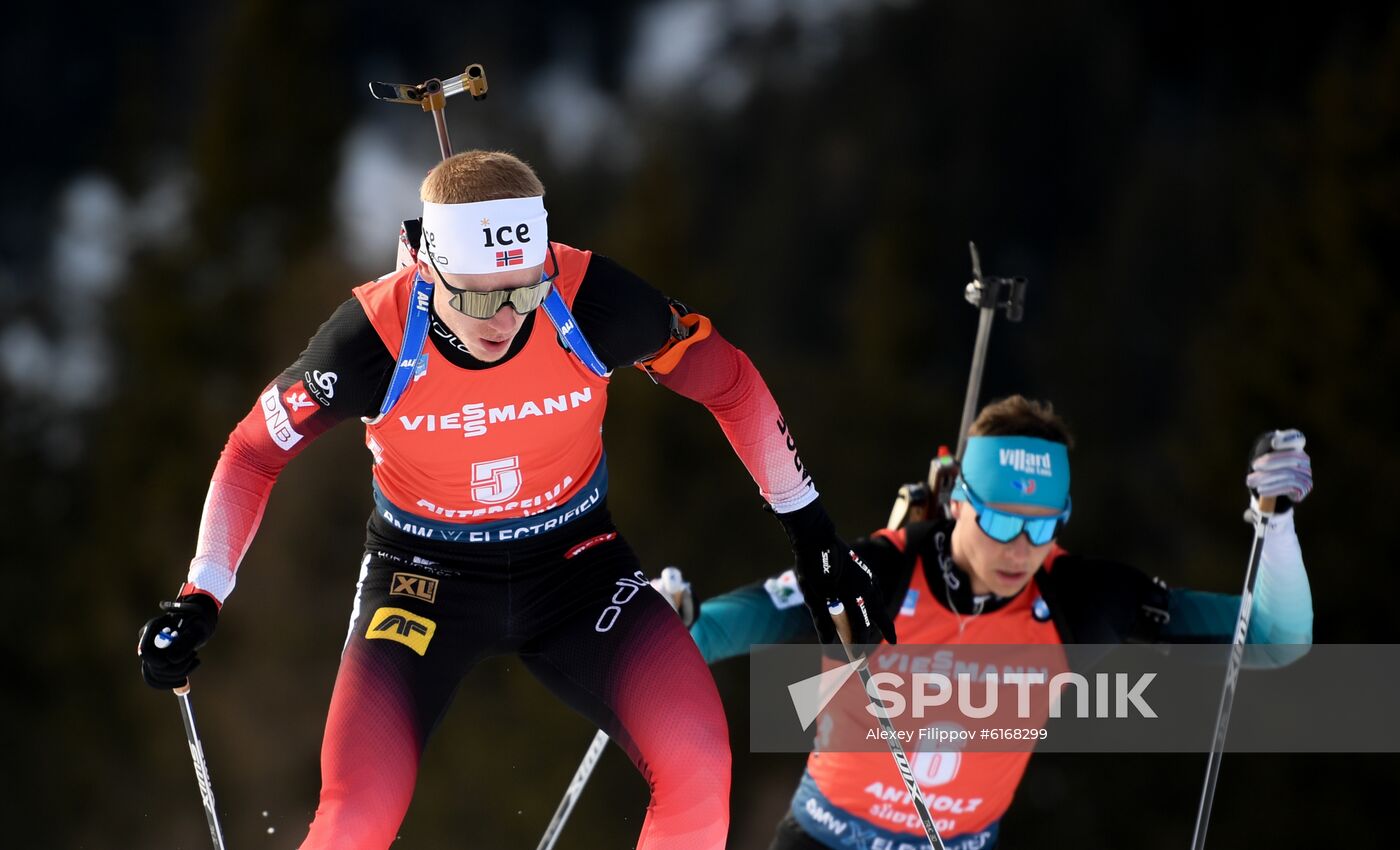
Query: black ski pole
201	769
1267	506
901	759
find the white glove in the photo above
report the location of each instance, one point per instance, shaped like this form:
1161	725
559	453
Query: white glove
1280	468
676	589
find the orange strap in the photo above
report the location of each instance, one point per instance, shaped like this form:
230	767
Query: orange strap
665	360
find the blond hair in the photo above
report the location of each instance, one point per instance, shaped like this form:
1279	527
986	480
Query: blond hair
473	176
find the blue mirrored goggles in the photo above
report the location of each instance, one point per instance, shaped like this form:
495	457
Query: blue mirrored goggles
1004	527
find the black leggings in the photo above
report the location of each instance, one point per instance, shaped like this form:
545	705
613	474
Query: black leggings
575	607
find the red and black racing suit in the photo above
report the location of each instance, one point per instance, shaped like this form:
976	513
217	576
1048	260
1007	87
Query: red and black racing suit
444	584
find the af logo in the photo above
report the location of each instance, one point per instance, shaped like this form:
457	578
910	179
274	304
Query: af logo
403	627
416	586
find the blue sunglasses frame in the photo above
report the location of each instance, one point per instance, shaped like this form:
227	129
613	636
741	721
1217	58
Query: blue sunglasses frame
1004	527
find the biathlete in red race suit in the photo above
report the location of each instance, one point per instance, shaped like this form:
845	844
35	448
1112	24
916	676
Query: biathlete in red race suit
490	532
995	575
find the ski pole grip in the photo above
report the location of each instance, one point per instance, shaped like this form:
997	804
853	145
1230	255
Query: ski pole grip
841	621
183	689
1267	505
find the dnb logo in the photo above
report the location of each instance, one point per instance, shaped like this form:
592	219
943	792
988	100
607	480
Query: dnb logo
279	425
416	586
403	627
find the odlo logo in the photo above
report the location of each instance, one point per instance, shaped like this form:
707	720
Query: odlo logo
626	589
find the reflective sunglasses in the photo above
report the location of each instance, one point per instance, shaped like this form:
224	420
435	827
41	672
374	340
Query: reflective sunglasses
1004	527
485	305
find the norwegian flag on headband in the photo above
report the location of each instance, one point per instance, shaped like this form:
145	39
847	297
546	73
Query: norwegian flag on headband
513	257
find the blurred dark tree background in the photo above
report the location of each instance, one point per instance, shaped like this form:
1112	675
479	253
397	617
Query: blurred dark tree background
1204	196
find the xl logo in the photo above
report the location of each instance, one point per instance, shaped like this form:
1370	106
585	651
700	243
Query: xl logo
507	235
627	588
403	627
496	481
416	586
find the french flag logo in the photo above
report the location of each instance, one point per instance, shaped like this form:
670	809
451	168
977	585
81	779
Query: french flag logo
513	257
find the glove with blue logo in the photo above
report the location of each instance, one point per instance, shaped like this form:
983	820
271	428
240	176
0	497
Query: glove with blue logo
828	570
1279	468
167	642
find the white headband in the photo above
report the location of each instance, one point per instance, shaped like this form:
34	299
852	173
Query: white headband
487	236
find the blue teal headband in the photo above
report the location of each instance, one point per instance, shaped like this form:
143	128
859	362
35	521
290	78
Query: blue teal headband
1016	470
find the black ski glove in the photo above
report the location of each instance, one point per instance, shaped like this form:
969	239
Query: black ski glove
167	642
827	569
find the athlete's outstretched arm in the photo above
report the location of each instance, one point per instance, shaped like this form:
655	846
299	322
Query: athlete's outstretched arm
342	374
1282	612
628	322
769	611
